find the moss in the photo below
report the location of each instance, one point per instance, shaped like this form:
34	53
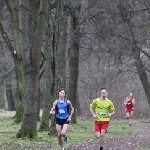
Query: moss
28	134
2	104
19	113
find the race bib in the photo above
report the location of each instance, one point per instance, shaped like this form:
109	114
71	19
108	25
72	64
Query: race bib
102	112
61	111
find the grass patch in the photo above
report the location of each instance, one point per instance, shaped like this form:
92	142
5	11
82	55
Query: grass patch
81	133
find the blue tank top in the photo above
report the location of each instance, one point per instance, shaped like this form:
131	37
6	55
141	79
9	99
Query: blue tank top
62	110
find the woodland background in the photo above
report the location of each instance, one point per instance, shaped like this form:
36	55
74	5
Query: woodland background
81	45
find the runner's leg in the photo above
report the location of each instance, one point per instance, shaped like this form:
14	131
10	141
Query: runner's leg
97	129
64	132
130	121
104	128
97	135
102	138
64	129
127	115
58	129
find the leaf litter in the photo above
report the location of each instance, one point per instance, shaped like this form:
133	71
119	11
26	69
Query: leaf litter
133	141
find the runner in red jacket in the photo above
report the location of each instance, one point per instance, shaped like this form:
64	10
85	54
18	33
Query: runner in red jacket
129	105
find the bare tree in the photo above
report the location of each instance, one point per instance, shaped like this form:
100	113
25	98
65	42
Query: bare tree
49	80
126	14
16	54
73	38
31	67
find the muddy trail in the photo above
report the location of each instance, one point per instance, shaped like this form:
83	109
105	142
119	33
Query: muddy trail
134	141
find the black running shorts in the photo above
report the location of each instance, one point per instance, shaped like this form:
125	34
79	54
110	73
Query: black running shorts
61	121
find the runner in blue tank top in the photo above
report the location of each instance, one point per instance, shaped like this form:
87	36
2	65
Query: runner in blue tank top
61	109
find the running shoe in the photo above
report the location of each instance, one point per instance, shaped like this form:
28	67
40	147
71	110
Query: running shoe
65	139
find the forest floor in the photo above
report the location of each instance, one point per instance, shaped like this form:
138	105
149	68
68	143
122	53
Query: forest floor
132	141
139	139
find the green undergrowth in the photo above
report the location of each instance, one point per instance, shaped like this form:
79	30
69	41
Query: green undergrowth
80	133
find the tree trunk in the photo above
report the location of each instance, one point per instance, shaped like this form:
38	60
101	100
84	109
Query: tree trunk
29	123
143	77
61	29
57	79
52	131
16	53
48	77
135	51
9	96
73	53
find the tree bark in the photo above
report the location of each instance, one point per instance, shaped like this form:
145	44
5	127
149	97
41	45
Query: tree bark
54	44
48	98
16	52
61	30
73	52
9	96
32	64
135	51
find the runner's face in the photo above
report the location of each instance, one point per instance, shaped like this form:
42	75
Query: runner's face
62	94
103	93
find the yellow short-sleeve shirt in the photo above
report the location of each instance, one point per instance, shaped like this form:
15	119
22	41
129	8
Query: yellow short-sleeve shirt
102	108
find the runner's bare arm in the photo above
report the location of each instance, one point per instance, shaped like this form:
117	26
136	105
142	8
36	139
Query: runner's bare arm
71	107
72	110
92	112
133	101
112	113
125	101
53	108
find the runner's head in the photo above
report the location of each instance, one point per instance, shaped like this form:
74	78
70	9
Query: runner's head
103	93
131	95
62	93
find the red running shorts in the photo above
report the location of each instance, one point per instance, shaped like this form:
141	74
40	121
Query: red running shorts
99	125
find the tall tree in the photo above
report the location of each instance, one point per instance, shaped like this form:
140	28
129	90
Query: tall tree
48	98
8	95
58	55
16	54
31	61
126	14
73	40
61	33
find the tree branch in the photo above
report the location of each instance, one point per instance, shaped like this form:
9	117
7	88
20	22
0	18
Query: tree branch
6	39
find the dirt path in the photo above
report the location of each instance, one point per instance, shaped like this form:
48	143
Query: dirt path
141	139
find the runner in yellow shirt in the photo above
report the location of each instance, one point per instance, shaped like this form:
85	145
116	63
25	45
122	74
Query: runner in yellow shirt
100	108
